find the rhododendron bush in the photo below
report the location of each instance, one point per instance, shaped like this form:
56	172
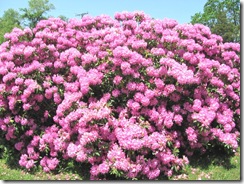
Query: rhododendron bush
132	96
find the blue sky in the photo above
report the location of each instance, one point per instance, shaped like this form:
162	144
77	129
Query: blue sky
180	10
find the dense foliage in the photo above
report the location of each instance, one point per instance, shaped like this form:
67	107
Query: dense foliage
132	96
8	21
35	12
222	17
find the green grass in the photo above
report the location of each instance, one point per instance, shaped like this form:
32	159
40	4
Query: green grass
13	172
213	166
209	167
8	173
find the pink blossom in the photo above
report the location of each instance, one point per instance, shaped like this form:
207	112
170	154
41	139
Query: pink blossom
145	101
169	88
103	168
116	93
191	134
23	160
81	156
52	163
19	146
178	119
117	79
29	164
94	170
159	83
135	106
197	105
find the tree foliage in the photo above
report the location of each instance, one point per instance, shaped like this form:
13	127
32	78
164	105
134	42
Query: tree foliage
64	18
36	12
222	17
9	20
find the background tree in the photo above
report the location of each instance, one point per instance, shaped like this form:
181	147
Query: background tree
30	16
223	18
63	18
9	20
35	12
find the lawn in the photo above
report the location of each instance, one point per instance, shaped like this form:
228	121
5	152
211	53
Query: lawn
213	166
209	167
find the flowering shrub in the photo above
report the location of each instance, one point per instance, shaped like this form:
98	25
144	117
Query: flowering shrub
132	96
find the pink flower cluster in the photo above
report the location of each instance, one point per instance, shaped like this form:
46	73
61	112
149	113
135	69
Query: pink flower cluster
131	96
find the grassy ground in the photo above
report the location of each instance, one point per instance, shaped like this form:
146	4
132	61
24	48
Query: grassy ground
8	173
210	167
